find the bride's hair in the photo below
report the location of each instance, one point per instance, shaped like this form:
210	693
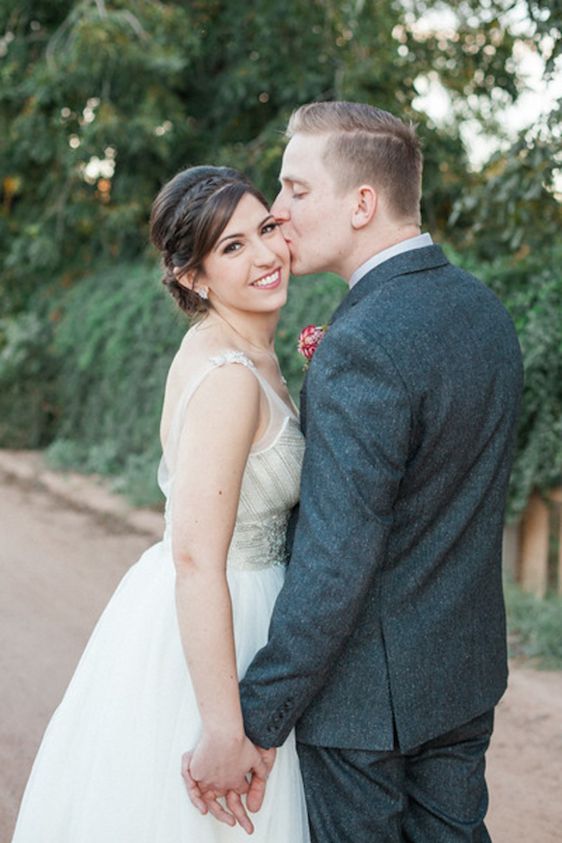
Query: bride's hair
188	217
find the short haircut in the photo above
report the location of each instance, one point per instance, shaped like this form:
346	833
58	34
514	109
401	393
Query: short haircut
367	145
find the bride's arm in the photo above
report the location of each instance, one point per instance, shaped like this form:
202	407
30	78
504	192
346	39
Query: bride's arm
222	420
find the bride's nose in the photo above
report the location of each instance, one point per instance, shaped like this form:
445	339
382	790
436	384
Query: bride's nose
264	256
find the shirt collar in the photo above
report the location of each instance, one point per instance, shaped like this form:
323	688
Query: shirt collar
417	242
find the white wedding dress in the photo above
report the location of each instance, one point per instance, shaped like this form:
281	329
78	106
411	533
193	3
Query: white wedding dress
108	769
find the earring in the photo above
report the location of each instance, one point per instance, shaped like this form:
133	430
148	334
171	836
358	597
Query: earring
202	293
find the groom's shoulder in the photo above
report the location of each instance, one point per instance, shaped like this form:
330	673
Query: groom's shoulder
417	311
420	297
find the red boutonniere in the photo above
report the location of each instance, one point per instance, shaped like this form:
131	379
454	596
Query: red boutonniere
309	340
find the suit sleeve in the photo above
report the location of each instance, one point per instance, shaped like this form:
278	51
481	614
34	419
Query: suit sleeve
358	429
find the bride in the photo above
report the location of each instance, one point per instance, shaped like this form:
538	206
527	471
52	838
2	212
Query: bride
160	672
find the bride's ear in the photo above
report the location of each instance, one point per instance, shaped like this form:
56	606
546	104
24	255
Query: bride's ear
186	279
189	281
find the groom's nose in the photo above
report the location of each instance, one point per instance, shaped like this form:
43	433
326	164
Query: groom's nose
280	208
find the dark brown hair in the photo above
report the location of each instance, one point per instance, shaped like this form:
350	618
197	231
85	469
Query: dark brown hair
367	144
188	217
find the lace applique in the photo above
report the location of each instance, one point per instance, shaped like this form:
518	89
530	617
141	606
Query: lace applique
256	545
232	357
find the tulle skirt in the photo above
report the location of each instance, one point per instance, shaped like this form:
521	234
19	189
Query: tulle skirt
108	769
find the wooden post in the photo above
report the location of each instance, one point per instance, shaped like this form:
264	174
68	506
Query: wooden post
533	563
555	495
510	549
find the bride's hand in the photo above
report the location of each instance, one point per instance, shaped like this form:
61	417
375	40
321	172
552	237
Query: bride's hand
228	768
221	764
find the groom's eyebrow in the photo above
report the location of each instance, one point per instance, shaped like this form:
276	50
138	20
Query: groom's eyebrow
293	180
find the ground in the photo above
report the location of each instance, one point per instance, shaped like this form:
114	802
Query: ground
58	566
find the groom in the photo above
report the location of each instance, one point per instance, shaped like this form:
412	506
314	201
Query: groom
387	646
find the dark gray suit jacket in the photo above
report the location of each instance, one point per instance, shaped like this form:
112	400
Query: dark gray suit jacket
391	619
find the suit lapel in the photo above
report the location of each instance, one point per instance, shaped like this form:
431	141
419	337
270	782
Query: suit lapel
415	260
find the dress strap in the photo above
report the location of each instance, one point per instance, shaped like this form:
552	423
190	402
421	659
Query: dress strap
232	357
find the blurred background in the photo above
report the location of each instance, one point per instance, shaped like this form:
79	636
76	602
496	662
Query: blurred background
102	101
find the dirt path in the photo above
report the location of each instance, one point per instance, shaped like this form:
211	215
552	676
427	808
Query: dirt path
57	569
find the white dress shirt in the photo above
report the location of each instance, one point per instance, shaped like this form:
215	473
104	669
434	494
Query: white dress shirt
417	242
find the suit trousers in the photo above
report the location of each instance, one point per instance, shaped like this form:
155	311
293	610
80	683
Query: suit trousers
435	793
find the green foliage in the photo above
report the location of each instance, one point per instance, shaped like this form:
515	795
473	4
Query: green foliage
510	228
114	343
312	300
514	207
86	93
103	100
535	627
536	309
530	287
28	408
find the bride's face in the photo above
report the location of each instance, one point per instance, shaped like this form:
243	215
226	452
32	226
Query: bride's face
248	268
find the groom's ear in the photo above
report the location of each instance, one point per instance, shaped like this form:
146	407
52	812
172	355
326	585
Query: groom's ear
365	206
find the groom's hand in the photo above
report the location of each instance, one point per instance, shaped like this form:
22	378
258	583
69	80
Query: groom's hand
256	791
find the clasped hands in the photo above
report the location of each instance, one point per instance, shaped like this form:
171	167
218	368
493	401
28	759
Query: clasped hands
227	769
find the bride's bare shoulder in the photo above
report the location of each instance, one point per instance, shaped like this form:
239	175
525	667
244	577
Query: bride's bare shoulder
200	348
198	344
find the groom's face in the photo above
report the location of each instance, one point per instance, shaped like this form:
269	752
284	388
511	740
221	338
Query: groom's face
314	214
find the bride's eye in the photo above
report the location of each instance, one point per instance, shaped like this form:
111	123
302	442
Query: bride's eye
232	247
269	227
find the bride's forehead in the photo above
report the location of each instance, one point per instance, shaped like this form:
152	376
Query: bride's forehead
248	213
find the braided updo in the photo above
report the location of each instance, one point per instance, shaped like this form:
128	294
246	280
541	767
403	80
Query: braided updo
188	217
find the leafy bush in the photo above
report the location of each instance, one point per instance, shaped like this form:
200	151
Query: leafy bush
114	342
312	300
28	407
535	627
530	286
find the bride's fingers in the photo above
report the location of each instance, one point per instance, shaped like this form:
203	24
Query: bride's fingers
193	789
217	810
234	802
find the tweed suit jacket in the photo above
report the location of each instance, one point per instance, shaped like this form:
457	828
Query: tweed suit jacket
390	626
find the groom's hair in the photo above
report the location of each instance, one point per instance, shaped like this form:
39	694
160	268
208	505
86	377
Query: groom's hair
367	145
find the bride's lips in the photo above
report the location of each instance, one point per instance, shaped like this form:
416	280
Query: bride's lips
269	281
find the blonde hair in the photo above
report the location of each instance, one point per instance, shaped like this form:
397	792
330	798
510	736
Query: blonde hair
367	144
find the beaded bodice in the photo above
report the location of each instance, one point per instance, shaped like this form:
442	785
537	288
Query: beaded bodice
270	485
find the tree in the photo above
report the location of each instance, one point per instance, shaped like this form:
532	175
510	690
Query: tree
86	91
102	100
